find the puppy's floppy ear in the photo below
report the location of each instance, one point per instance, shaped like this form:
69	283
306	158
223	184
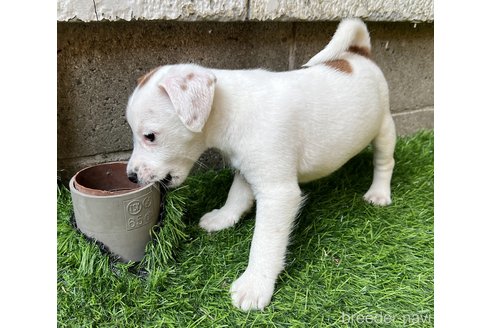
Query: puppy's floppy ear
192	93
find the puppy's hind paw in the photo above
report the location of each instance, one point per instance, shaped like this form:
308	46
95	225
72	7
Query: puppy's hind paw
377	197
217	220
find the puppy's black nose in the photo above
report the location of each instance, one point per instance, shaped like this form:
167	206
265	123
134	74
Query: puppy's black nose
133	177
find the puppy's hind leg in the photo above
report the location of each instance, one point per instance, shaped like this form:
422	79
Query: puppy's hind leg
239	201
384	145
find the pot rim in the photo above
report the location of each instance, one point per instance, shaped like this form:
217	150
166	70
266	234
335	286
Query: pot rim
98	193
129	193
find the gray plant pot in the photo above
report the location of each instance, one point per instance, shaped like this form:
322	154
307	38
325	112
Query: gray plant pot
113	210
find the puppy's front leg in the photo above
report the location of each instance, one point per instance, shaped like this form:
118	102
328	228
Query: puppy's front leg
277	206
239	200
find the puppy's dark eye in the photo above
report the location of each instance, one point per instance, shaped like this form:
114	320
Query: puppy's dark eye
150	137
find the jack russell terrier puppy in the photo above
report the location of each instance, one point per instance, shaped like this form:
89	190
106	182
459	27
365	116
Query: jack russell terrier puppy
277	129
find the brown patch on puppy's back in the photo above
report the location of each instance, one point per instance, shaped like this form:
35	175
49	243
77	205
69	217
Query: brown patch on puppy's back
341	65
143	79
363	51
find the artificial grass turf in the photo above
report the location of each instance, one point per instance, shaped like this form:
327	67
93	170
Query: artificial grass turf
350	264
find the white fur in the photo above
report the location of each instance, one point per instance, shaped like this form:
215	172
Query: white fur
350	32
277	129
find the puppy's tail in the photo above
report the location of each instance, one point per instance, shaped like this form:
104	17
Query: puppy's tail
351	35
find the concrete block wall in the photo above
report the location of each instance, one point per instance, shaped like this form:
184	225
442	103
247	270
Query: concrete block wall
100	61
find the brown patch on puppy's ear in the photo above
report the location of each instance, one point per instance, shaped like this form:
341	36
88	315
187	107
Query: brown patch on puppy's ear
363	51
143	79
340	65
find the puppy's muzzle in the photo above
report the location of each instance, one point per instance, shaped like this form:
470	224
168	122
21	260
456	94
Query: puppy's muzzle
133	177
167	180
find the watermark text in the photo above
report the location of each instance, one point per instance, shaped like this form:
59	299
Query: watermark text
387	319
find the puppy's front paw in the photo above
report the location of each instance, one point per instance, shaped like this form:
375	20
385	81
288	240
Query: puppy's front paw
378	197
217	220
252	291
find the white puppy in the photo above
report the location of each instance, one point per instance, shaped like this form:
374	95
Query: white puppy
277	129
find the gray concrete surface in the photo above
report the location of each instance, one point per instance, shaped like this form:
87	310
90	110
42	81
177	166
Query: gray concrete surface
369	10
241	10
98	64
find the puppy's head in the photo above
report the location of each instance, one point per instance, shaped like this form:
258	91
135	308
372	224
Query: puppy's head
167	113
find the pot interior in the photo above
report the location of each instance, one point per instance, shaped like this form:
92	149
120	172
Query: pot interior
104	179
